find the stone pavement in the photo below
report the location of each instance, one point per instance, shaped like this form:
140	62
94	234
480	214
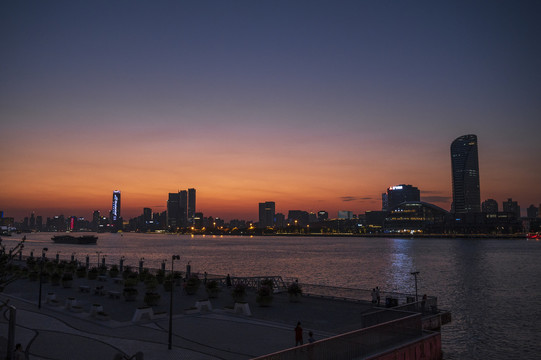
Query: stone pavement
54	332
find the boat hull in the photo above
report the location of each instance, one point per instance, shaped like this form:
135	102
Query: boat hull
77	240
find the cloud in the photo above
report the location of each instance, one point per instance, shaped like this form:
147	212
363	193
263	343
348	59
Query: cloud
436	198
354	198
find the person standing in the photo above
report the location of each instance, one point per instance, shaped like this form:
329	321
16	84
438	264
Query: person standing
377	294
18	354
374	296
298	334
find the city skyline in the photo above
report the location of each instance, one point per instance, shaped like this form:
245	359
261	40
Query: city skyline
312	105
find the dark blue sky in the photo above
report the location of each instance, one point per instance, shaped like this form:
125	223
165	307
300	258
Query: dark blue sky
346	87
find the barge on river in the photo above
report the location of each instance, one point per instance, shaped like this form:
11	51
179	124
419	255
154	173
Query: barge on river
77	240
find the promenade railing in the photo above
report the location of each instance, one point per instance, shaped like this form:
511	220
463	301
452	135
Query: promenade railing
357	344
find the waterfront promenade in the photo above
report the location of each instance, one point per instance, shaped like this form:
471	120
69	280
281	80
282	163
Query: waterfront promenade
54	332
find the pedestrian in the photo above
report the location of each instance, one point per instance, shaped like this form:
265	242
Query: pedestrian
374	296
311	337
228	280
377	294
298	334
205	279
18	354
423	303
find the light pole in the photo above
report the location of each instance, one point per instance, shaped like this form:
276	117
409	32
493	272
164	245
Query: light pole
415	273
173	258
98	252
41	274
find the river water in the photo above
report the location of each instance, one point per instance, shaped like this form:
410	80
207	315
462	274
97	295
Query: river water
492	287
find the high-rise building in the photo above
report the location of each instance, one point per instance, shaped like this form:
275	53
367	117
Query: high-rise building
115	209
191	205
532	211
266	214
181	208
173	210
511	206
465	175
398	194
490	206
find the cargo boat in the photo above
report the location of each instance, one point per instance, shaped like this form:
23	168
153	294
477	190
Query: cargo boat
80	240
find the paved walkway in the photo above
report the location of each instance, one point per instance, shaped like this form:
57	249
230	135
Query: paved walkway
54	332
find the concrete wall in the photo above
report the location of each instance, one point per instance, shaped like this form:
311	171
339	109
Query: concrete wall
428	348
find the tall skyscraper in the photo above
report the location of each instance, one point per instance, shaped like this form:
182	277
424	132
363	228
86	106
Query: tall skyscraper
115	209
267	211
173	210
465	175
181	208
191	205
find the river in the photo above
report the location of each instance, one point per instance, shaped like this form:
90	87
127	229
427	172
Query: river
492	287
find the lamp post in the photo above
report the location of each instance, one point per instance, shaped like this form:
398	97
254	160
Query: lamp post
415	273
173	258
98	252
41	275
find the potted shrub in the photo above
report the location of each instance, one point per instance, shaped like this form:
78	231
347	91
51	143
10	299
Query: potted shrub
294	290
81	272
239	292
151	283
113	271
192	284
151	298
160	276
212	288
130	293
67	280
55	279
168	282
264	295
93	273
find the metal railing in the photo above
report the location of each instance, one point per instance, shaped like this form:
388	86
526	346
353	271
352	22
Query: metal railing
357	344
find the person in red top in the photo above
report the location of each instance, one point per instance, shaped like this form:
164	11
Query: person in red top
298	334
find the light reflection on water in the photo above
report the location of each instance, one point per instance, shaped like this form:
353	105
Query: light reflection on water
491	286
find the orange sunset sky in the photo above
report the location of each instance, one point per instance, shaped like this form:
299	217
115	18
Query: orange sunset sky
313	105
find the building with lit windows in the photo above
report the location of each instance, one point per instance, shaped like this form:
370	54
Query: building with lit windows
512	207
398	194
465	175
115	208
417	217
191	205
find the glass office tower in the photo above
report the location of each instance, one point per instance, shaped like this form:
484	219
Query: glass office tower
465	173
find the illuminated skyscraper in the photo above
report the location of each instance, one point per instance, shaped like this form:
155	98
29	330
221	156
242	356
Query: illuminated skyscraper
115	209
465	174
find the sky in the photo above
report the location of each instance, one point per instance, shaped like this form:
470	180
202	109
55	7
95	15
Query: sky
315	105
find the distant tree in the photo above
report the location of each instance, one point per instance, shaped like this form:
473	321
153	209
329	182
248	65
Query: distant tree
7	273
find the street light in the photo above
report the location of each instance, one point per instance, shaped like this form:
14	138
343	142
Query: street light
41	274
415	273
98	252
173	258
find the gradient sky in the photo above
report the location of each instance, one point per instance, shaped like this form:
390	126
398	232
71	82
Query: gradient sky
316	105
